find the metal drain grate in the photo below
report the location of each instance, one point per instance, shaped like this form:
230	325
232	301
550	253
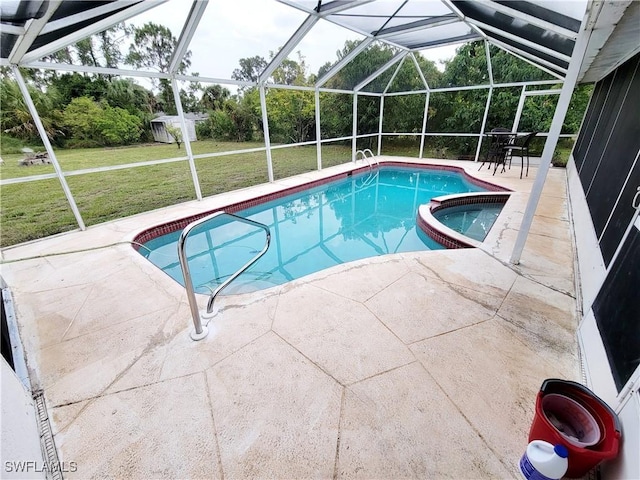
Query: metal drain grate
54	472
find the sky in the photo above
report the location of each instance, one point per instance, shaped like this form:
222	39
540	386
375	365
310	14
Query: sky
231	30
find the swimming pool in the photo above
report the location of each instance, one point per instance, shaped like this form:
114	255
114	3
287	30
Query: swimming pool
358	216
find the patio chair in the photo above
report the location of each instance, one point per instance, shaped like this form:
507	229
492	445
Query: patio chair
495	152
521	150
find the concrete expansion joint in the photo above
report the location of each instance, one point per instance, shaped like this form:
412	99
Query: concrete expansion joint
443	334
336	465
380	374
45	256
517	269
454	402
306	357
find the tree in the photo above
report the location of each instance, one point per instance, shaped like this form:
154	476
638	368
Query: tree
291	72
291	115
336	109
110	41
153	46
363	65
250	69
74	85
126	93
214	97
175	132
16	119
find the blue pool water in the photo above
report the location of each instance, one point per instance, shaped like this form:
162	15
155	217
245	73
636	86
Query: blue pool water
474	221
361	216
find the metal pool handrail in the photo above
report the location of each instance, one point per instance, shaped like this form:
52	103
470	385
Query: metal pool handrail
200	330
364	156
371	176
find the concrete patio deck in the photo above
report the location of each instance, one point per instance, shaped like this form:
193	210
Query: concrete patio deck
417	365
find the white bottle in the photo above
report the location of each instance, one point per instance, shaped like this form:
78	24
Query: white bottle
543	461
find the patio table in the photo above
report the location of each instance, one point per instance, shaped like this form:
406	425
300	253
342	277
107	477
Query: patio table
497	152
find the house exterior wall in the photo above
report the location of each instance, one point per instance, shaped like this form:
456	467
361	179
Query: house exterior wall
604	176
20	455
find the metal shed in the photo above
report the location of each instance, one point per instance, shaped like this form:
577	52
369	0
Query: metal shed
160	133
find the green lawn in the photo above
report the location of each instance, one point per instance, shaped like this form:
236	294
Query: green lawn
38	209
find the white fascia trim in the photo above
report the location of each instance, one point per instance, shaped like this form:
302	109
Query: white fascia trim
538	22
31	31
188	30
380	71
94	28
86	15
344	61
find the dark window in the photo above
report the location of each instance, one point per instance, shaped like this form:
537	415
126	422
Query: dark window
617	311
606	154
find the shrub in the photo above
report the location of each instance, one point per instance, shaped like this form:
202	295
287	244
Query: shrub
222	125
203	130
118	127
92	123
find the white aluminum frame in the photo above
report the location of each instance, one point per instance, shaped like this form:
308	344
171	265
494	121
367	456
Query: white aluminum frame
96	27
47	145
32	29
198	7
552	139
